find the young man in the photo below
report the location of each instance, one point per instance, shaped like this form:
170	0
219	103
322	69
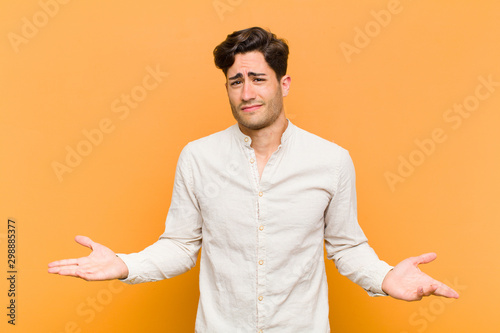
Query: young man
262	197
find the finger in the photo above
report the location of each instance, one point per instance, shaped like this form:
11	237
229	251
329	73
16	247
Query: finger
76	271
425	258
63	269
85	241
69	271
420	293
64	262
54	270
445	291
431	290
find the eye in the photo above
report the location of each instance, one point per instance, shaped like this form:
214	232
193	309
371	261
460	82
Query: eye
235	83
259	79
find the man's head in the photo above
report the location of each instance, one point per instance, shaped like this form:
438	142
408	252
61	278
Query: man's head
254	62
275	50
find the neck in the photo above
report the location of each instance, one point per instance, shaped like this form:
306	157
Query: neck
265	141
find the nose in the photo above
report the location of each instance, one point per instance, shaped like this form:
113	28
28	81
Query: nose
248	92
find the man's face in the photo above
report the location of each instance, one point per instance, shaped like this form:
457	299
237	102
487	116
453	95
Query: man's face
255	95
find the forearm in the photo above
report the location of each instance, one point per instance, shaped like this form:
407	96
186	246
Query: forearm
162	260
362	266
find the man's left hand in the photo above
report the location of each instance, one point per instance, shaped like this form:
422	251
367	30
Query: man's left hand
407	282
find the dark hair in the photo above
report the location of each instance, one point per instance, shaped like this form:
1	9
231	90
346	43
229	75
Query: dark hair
275	50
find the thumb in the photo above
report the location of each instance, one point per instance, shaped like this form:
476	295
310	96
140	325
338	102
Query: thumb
85	241
425	258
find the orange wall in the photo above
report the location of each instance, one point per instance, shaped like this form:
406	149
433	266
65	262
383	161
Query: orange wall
385	79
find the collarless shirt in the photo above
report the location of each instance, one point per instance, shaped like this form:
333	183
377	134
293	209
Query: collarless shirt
262	240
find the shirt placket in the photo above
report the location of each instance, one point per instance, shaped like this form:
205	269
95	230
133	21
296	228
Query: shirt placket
260	241
261	263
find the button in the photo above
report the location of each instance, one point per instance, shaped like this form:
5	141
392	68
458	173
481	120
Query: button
261	262
261	228
246	139
261	194
252	160
261	298
260	331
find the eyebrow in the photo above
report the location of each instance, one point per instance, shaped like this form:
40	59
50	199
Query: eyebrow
239	75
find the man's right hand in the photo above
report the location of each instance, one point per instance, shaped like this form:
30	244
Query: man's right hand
101	264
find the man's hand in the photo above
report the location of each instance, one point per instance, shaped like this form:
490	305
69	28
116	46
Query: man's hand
407	282
101	264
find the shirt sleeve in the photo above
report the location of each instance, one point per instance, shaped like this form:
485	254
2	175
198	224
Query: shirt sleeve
177	249
345	242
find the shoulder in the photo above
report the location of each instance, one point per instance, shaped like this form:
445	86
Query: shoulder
316	145
212	140
208	145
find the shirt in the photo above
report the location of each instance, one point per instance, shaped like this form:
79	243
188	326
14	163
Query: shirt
262	241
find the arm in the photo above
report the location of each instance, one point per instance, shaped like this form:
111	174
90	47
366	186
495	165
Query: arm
345	242
174	253
354	258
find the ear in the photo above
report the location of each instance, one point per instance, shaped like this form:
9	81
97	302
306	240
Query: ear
285	84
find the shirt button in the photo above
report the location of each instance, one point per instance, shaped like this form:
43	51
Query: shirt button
261	228
252	160
246	139
261	194
261	262
261	298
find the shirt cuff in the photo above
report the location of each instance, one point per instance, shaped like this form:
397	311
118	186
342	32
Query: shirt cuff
378	276
132	277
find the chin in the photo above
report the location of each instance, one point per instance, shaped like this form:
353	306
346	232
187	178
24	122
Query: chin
256	125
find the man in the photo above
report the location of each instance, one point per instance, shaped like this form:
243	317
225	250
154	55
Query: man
262	196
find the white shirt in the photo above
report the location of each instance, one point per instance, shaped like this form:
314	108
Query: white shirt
262	262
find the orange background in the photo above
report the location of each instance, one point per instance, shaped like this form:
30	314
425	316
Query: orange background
395	88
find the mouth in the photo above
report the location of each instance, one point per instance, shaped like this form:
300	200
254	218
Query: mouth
250	108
